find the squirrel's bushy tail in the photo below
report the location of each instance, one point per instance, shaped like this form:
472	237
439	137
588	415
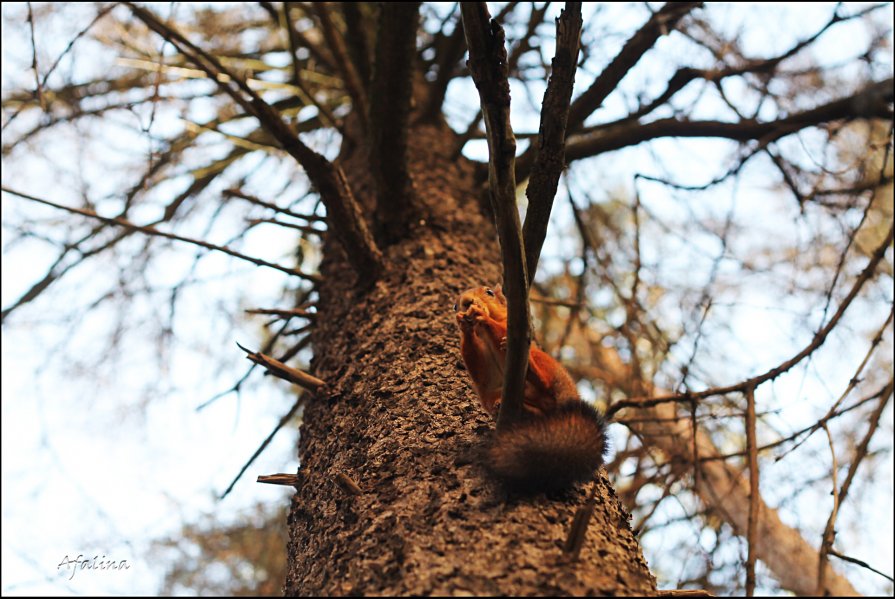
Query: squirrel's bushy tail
553	451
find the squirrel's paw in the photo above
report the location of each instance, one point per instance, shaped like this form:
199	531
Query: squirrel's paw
469	319
474	315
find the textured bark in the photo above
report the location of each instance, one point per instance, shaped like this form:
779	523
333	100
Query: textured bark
398	416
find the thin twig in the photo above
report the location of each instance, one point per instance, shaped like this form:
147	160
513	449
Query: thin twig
773	373
38	88
153	231
754	497
283	313
839	498
293	36
829	531
302	228
863	564
236	193
659	24
286	418
281	370
101	13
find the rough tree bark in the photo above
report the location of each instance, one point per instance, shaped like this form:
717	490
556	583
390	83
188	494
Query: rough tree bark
398	417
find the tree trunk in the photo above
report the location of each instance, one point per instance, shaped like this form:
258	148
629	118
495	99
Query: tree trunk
398	416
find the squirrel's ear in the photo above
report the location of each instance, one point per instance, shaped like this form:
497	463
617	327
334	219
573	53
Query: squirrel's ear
499	292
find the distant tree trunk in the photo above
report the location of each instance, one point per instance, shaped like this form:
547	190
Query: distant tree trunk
399	418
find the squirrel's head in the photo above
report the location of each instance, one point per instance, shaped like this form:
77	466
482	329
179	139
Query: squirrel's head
489	301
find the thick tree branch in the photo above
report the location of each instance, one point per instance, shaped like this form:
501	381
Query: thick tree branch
391	94
319	53
354	85
358	44
551	135
346	219
448	55
447	58
294	40
871	102
659	24
488	66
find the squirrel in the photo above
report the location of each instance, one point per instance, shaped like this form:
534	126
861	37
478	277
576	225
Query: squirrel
561	439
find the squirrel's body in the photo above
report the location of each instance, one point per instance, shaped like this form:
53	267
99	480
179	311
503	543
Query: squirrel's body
561	438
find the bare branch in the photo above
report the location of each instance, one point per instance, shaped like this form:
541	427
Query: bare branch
448	56
660	23
763	66
391	93
358	44
236	193
336	43
347	220
42	83
280	370
870	102
318	52
283	313
286	480
829	533
487	63
286	418
153	231
861	563
38	88
754	497
550	159
773	373
294	40
839	498
302	228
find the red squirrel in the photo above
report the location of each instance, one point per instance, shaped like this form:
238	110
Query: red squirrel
561	440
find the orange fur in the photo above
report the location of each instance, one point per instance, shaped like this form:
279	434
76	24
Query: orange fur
560	429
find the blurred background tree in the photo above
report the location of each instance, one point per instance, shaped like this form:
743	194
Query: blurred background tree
723	232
